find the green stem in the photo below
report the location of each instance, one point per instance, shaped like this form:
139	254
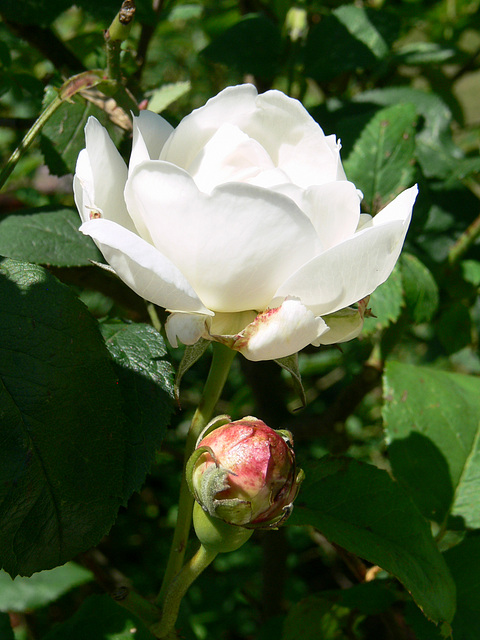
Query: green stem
221	362
116	33
464	242
191	570
136	604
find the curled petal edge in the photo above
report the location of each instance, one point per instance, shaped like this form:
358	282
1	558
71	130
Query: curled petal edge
276	333
344	325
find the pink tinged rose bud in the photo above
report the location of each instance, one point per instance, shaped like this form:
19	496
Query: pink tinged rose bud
244	474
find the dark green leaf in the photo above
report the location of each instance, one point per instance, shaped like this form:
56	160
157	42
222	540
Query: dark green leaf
46	236
63	136
464	561
41	12
420	288
6	631
361	25
360	508
371	598
315	617
424	629
252	45
382	161
363	43
5	55
62	429
44	12
22	594
100	618
146	384
432	423
386	304
324	60
454	327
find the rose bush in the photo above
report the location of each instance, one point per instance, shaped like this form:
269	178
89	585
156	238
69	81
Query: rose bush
240	222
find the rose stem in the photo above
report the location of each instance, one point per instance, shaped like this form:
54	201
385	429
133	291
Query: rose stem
116	33
464	242
178	588
222	359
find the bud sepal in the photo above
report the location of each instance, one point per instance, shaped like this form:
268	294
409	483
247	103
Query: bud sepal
216	535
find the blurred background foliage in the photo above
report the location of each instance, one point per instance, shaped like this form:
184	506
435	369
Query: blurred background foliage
399	83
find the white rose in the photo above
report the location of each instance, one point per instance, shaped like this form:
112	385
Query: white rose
240	222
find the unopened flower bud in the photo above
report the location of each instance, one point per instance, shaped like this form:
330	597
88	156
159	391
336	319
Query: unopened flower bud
244	473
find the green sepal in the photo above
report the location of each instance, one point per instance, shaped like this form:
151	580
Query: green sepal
190	467
233	510
286	435
216	535
191	355
219	421
290	364
212	482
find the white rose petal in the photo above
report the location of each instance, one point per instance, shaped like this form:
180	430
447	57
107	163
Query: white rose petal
234	246
102	173
187	328
150	132
143	267
241	223
354	268
229	156
324	202
280	332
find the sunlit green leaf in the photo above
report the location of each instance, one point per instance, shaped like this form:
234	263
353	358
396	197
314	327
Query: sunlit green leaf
432	422
164	96
47	236
22	594
421	290
382	161
386	304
